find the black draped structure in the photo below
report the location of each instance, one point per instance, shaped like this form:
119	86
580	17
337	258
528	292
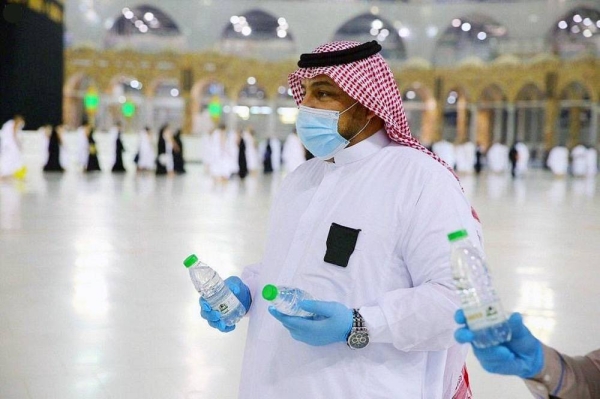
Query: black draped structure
31	62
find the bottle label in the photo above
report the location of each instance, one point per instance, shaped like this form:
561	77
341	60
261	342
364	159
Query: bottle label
484	316
228	304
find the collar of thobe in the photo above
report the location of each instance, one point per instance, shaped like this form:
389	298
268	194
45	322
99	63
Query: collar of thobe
368	146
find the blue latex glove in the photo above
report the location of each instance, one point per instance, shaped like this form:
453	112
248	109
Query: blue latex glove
240	290
332	323
522	355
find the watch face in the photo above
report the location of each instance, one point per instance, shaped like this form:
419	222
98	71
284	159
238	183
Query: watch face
358	340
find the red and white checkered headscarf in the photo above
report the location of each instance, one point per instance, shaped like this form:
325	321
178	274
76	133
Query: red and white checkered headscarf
370	82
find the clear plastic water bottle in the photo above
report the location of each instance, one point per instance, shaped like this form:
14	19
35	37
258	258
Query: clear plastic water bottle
286	299
212	288
479	301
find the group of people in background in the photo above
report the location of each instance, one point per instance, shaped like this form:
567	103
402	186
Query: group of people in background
467	158
228	153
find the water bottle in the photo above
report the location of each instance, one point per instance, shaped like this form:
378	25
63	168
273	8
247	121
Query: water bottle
482	307
212	288
286	299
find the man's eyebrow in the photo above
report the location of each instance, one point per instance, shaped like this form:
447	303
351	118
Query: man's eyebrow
317	83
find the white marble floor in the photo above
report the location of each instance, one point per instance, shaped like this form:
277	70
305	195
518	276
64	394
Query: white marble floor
95	303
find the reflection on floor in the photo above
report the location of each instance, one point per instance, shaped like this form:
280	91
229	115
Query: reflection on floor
94	301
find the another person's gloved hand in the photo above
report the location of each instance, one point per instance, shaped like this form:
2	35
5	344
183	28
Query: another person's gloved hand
332	323
522	355
240	290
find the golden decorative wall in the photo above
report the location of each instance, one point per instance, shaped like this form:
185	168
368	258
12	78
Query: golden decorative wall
551	76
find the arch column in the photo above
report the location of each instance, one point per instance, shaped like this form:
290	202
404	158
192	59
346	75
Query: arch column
473	123
550	117
595	112
510	122
574	126
497	136
461	119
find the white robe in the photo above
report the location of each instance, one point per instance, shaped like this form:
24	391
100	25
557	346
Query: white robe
11	159
398	276
579	161
445	150
293	154
592	162
558	160
146	153
497	158
221	155
523	160
113	134
465	157
83	147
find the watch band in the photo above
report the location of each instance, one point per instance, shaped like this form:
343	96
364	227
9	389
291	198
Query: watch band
358	337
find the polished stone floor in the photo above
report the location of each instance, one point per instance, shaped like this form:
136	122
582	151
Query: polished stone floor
95	303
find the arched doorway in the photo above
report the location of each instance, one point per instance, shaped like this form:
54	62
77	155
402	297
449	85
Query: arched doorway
455	119
253	110
530	110
574	125
210	106
420	108
286	110
166	104
492	117
77	86
125	101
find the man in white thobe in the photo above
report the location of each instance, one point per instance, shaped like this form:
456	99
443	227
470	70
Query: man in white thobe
579	160
445	150
523	158
558	160
497	158
11	159
362	227
592	161
465	157
293	154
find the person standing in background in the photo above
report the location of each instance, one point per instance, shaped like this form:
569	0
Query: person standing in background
118	149
293	154
11	159
178	160
145	157
92	162
54	135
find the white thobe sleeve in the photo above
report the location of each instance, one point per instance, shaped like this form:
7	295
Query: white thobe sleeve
421	318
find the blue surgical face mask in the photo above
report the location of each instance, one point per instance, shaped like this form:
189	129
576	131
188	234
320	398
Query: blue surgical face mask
318	131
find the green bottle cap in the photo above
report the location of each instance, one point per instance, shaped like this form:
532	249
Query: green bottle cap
190	260
457	235
270	292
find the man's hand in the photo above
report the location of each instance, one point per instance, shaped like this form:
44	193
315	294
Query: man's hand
332	323
240	290
522	355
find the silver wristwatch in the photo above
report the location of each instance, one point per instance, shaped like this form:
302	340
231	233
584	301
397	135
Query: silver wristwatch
359	336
